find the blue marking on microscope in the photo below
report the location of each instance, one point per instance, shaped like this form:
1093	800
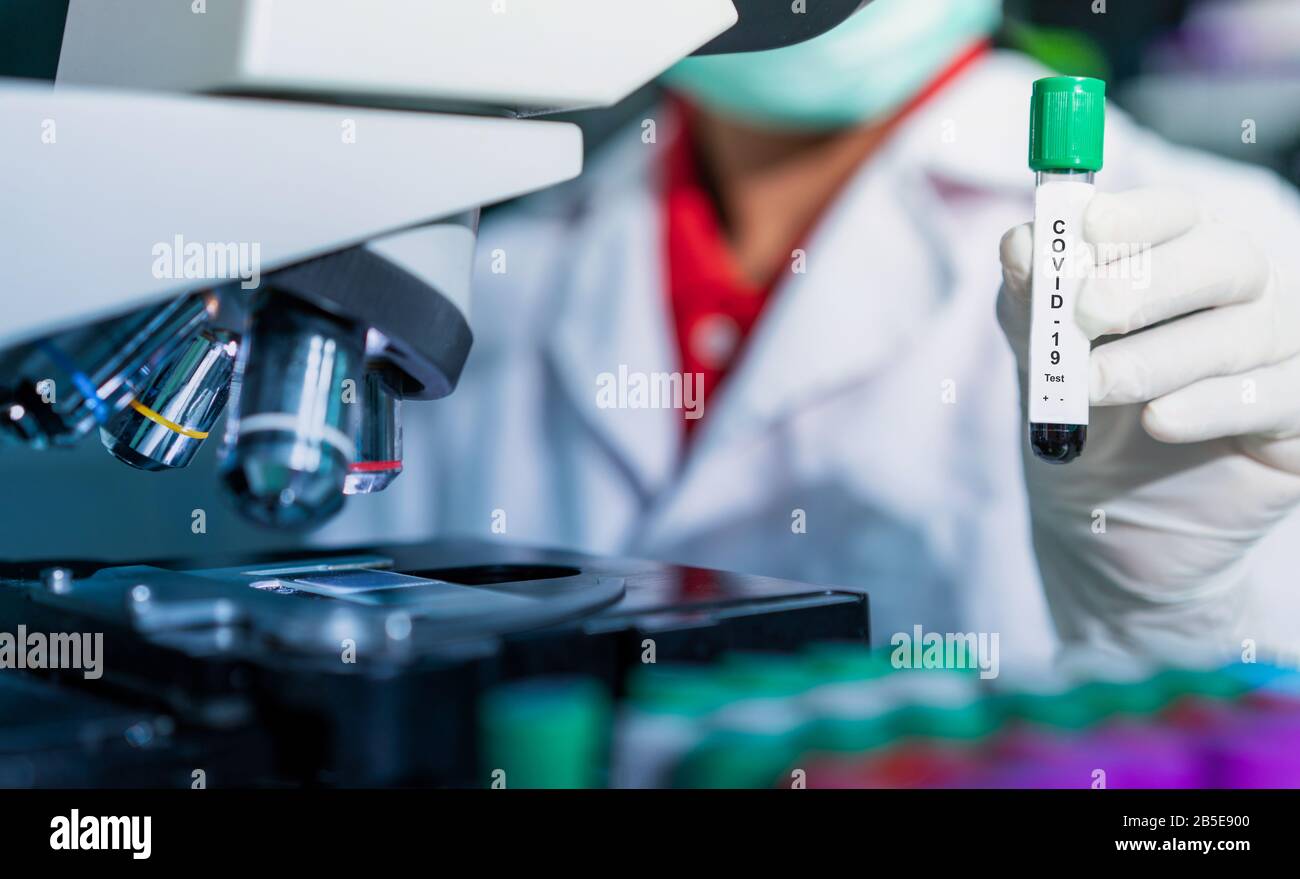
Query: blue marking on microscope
80	381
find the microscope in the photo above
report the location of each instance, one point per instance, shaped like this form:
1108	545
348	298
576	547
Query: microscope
268	209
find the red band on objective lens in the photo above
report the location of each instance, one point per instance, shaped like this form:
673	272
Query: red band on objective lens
374	466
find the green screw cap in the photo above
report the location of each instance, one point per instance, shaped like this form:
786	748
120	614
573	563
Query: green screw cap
1065	710
852	735
757	674
834	661
691	690
546	733
1067	122
974	721
1209	683
1128	697
734	761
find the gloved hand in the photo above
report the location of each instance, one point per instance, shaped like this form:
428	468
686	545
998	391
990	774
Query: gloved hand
1193	450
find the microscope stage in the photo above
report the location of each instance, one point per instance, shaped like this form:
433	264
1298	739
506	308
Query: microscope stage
367	667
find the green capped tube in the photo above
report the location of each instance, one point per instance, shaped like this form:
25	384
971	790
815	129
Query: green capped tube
1066	131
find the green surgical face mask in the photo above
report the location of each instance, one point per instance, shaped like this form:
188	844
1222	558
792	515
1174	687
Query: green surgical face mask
869	65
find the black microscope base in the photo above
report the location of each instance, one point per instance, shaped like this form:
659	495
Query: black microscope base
352	668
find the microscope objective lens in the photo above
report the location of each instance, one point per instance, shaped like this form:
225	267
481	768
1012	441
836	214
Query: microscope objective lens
379	433
290	437
76	381
164	426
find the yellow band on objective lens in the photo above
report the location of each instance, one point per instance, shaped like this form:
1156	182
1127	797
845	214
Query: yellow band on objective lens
170	425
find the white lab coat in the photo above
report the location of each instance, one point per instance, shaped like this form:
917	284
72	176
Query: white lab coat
877	397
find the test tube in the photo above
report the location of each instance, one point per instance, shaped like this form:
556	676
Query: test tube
1067	117
663	719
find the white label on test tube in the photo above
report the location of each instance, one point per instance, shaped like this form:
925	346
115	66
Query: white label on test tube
1058	349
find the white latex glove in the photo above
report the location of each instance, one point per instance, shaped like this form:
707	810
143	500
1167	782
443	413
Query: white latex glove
1192	451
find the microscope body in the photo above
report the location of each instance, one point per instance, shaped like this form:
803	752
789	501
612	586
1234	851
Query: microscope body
270	206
